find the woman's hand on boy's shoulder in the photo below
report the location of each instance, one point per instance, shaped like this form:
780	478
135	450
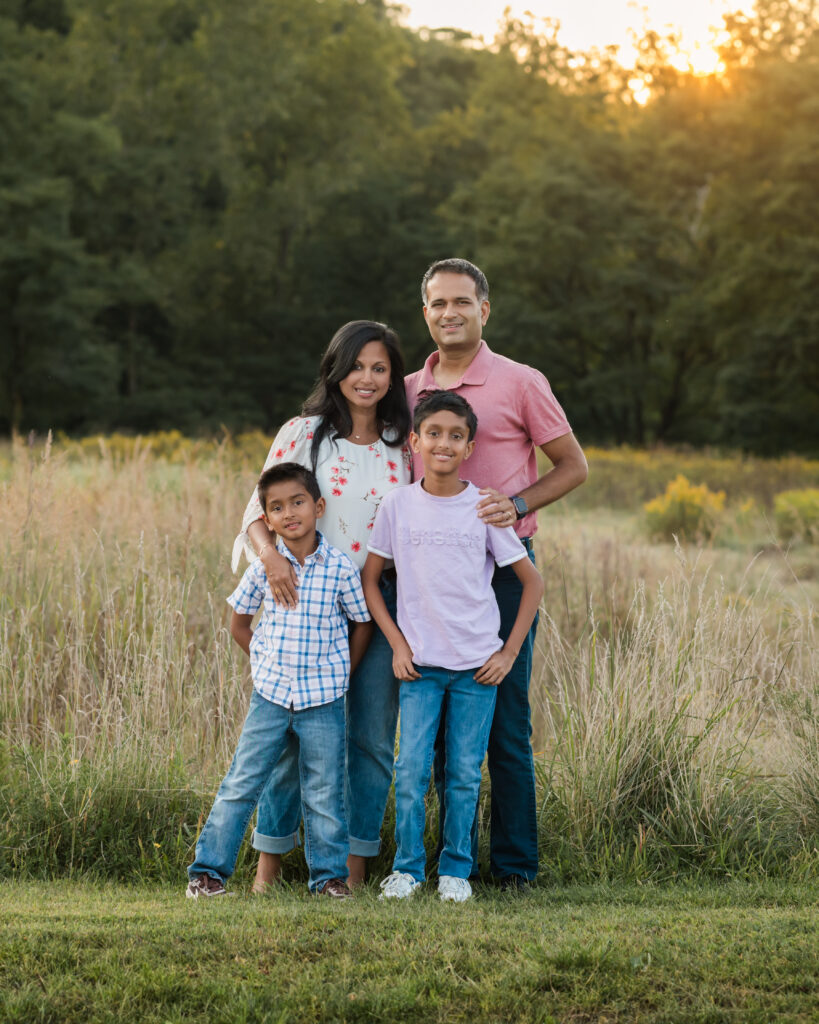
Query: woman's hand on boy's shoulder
495	668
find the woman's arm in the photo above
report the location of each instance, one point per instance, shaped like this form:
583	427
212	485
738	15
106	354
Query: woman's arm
280	573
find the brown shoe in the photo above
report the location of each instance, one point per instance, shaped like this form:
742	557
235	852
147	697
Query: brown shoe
337	888
204	885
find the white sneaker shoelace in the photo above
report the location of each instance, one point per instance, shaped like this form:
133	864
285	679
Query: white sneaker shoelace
398	886
456	890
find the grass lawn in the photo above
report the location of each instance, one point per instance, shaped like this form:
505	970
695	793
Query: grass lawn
738	952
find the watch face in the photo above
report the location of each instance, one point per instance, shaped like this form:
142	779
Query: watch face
521	506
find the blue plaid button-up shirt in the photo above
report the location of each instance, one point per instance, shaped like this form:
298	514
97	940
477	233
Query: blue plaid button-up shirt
300	657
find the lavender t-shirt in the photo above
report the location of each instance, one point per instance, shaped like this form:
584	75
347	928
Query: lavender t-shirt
444	557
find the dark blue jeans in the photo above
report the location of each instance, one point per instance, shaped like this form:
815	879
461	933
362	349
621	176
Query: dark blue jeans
513	822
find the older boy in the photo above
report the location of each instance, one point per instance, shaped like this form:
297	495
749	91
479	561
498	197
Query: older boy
300	661
446	645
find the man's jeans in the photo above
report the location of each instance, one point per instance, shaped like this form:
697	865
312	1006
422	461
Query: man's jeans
469	716
318	736
513	836
372	712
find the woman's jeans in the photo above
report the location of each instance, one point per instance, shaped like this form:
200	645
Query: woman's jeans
317	736
470	706
372	713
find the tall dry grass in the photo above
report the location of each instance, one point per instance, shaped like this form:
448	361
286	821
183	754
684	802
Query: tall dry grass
675	691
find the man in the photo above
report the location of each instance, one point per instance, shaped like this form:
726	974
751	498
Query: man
517	413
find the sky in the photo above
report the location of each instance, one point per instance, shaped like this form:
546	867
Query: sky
588	23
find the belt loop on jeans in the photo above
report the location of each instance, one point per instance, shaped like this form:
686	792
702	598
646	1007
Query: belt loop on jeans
528	543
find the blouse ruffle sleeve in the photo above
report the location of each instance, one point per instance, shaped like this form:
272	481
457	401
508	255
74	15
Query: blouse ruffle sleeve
291	444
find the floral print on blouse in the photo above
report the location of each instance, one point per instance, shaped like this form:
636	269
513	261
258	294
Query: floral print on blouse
353	479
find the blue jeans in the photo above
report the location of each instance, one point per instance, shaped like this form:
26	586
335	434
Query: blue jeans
469	716
372	713
318	733
513	823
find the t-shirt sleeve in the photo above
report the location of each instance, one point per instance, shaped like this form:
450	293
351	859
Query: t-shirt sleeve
504	545
381	535
541	412
247	598
291	444
351	596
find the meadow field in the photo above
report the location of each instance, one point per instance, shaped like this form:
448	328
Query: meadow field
676	728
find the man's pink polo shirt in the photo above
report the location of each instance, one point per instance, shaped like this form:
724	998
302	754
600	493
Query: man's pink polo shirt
517	413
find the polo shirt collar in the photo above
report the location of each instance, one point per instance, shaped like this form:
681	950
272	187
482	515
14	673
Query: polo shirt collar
476	373
319	556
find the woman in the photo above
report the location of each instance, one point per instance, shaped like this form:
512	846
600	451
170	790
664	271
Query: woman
352	433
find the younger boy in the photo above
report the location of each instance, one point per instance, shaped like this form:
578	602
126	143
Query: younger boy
446	644
300	660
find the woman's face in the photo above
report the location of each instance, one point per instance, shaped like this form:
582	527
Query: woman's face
369	380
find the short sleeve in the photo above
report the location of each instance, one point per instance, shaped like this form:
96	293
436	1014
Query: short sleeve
504	545
380	542
247	598
291	444
541	413
351	597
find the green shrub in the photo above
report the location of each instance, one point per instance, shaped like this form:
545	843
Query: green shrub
685	511
797	515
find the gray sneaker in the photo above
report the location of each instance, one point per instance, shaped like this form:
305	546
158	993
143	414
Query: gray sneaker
201	886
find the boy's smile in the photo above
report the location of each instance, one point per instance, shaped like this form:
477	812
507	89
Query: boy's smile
292	513
443	443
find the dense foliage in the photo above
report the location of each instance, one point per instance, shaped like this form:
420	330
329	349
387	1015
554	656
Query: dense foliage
194	195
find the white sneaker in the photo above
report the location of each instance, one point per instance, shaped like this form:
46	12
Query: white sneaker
398	886
458	890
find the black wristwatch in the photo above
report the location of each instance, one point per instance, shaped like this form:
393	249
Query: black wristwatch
520	506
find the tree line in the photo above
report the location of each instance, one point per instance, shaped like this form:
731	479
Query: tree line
194	194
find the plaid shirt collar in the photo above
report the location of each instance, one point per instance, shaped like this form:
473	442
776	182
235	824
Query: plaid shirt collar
319	556
477	373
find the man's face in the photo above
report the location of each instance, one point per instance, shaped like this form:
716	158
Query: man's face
454	315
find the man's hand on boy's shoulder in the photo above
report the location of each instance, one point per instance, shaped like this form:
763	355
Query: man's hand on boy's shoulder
495	668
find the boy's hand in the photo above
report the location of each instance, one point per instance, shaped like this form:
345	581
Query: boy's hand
402	665
496	668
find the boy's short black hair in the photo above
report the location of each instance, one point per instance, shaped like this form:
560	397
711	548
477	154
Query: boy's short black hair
287	471
445	401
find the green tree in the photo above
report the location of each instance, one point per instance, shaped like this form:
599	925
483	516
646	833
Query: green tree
51	287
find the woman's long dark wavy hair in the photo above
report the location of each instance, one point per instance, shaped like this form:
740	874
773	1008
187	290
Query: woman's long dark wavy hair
327	401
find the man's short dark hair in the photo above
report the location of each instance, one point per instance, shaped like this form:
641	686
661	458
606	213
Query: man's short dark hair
445	401
456	265
283	471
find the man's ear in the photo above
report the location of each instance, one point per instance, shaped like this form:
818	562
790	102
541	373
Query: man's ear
469	449
415	442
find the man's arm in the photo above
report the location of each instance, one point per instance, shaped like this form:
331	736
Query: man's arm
569	470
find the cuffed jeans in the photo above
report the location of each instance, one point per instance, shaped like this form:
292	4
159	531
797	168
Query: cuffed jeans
317	734
513	823
372	713
469	716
